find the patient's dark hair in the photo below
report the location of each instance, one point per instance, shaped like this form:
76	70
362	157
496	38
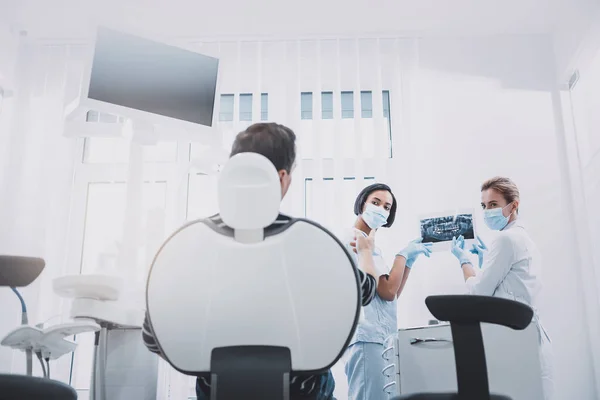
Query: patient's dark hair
274	141
362	197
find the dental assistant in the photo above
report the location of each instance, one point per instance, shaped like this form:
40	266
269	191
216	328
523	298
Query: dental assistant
375	208
511	267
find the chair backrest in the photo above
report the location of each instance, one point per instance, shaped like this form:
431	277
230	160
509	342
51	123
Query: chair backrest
17	271
252	294
25	387
465	314
476	309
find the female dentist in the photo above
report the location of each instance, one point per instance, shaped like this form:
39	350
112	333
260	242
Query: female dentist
511	266
375	207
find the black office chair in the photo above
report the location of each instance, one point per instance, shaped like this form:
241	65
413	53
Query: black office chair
18	272
465	314
25	387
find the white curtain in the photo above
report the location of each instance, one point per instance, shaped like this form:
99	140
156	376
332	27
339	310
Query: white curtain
38	173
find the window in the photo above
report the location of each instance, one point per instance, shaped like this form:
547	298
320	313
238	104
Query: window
387	116
386	104
366	104
327	105
264	107
110	150
103	225
115	150
104	218
246	107
202	196
226	108
347	104
306	105
320	200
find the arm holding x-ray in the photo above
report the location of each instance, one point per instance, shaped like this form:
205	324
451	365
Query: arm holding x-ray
496	265
391	285
403	265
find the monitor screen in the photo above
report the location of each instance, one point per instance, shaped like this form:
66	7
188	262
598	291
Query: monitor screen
141	74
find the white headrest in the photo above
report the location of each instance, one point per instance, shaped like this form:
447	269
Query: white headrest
249	192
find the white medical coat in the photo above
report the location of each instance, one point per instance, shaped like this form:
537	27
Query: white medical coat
512	270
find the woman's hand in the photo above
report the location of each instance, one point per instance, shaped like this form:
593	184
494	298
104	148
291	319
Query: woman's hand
413	250
479	249
363	243
363	246
458	249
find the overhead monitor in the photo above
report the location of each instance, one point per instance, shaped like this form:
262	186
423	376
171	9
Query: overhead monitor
150	81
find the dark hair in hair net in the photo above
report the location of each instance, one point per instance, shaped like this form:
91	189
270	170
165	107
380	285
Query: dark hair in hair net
360	201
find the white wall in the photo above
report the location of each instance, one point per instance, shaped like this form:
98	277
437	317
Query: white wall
583	144
481	108
585	98
577	44
36	186
579	18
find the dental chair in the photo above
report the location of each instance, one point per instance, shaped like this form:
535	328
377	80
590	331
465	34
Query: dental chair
465	314
252	296
19	272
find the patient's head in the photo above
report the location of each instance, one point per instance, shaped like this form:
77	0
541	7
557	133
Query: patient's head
275	142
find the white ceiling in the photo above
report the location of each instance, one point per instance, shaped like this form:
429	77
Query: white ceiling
75	19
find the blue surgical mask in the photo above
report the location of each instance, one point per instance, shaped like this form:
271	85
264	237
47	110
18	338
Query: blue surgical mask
375	217
495	219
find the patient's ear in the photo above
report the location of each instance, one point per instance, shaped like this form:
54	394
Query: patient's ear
285	178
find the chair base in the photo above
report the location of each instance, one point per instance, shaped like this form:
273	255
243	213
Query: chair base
24	387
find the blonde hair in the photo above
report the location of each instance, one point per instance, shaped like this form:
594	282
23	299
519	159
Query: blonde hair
505	186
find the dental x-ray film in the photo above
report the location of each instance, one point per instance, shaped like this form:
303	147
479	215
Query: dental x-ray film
440	228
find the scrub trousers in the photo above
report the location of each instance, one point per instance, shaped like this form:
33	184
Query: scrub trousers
364	366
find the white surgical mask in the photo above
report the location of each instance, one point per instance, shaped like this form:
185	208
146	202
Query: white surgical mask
495	219
375	217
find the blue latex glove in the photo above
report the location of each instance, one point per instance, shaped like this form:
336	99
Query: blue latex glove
458	249
414	250
479	249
